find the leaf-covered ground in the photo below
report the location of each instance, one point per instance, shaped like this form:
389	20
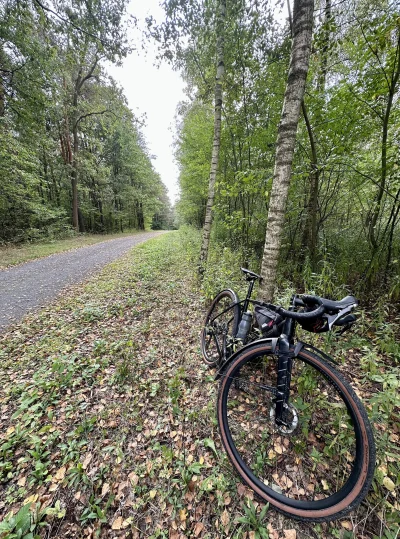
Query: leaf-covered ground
108	422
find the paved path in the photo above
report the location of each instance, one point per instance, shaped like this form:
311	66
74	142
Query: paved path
30	285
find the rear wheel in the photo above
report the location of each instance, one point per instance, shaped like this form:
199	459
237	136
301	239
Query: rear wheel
319	466
220	327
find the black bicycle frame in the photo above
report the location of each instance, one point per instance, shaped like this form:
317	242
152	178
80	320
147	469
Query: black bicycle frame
248	296
285	356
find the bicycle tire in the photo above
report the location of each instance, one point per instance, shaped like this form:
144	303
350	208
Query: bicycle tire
346	455
212	330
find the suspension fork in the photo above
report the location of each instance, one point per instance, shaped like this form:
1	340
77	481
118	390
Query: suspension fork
284	375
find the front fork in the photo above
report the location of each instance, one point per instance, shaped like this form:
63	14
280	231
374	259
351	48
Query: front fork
285	362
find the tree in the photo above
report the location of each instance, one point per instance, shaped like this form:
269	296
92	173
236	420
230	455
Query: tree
95	31
298	69
220	34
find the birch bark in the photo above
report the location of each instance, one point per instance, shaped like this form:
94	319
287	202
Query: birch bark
298	69
217	135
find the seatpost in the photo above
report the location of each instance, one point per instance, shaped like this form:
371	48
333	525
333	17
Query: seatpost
249	292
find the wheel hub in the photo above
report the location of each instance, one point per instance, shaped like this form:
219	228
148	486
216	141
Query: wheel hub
291	417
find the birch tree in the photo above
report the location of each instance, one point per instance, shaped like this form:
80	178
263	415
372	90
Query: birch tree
298	69
217	135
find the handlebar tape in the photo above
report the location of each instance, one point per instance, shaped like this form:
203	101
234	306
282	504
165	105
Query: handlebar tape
302	316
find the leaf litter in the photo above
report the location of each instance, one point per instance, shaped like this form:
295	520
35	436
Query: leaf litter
108	415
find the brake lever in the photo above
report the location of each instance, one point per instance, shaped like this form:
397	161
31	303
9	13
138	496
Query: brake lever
333	317
343	329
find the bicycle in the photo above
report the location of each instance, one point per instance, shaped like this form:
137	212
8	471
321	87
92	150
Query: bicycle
291	424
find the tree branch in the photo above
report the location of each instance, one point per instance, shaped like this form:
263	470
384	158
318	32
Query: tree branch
68	21
83	116
89	75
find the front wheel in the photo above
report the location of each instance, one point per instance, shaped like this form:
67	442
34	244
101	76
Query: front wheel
220	327
319	466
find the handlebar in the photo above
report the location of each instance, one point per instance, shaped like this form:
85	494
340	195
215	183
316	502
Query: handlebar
335	311
311	315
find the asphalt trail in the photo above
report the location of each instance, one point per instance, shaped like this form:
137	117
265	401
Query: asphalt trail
29	286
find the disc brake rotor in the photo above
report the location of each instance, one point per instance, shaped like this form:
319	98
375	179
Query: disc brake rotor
290	411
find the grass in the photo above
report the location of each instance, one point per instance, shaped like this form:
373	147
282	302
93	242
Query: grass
11	255
108	417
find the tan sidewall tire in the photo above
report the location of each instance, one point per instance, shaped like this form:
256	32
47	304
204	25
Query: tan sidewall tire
361	487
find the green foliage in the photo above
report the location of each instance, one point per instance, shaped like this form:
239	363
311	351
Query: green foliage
353	119
253	521
63	120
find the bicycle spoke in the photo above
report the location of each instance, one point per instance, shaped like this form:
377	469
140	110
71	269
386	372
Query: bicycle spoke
313	462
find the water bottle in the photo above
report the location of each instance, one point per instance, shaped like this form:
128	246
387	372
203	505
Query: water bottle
244	326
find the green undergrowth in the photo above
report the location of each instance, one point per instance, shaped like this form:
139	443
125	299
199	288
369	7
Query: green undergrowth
369	356
11	255
108	424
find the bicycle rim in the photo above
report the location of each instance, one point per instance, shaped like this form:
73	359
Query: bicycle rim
220	327
324	467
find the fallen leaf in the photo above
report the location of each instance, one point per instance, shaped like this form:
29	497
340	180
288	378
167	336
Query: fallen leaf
127	522
133	478
278	448
290	534
182	515
273	534
324	484
388	483
241	489
60	474
87	460
198	528
117	524
105	489
30	499
225	518
153	494
21	481
347	524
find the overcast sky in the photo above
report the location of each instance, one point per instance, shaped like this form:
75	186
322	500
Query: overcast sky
155	92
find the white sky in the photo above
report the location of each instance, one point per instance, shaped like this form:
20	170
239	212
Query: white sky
155	92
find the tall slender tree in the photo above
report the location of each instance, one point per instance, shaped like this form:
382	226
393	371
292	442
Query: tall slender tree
298	69
217	134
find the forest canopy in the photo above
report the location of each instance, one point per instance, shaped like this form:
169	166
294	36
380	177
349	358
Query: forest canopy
343	211
72	154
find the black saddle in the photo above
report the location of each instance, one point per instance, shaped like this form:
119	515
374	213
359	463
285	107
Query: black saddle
250	275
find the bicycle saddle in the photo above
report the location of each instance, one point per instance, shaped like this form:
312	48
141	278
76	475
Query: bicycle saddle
250	275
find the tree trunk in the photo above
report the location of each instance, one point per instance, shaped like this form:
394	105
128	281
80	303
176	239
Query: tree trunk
74	181
310	236
310	231
377	207
298	69
217	135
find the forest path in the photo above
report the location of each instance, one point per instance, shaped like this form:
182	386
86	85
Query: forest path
30	285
